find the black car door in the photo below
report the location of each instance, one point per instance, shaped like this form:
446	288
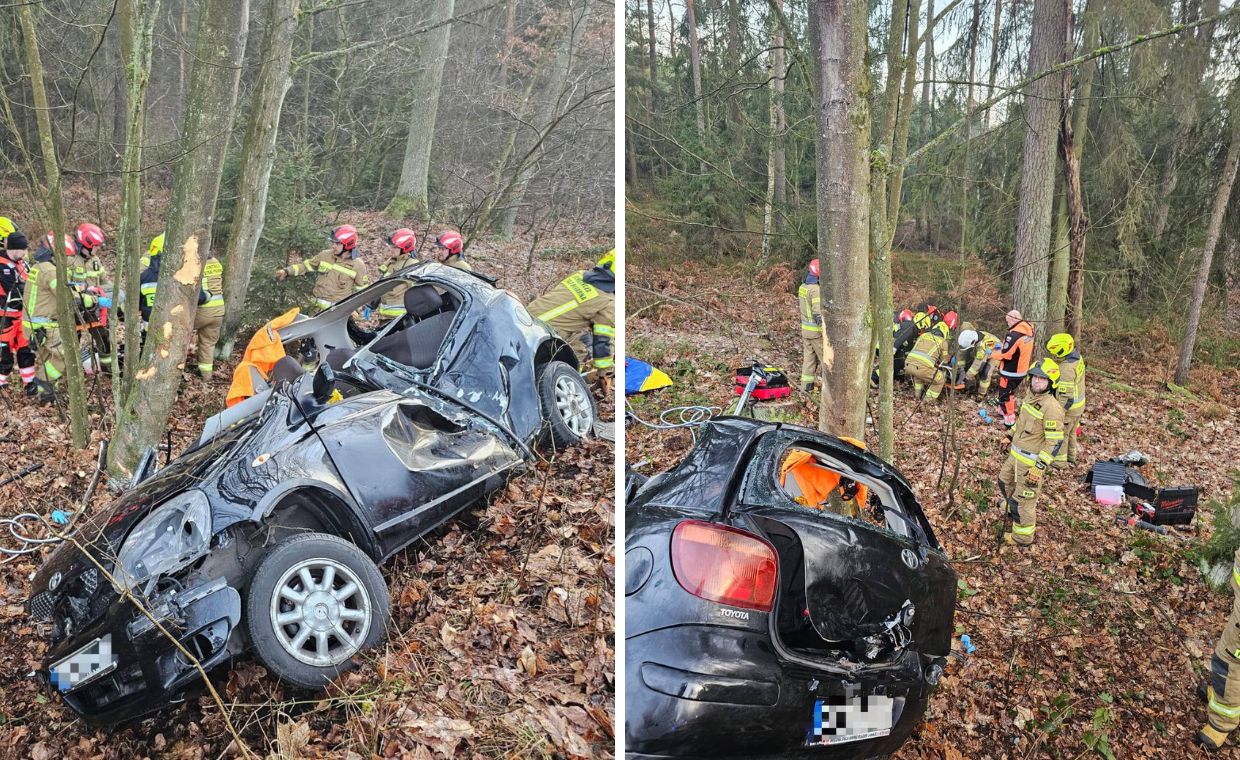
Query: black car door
411	461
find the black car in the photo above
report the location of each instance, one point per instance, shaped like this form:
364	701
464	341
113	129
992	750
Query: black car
266	534
785	597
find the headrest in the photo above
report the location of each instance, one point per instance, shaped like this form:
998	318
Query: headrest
421	300
287	369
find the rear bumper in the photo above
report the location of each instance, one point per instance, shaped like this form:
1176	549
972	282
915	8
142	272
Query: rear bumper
150	672
713	691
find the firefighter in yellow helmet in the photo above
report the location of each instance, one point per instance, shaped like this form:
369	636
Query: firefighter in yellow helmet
1221	692
6	226
809	300
925	362
585	301
1071	391
156	248
1036	440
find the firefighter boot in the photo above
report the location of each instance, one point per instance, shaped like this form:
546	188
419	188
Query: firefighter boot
44	390
1211	738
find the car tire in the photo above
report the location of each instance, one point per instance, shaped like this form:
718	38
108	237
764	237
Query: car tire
340	618
567	406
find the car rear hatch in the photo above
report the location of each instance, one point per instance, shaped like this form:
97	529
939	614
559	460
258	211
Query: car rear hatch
854	596
854	592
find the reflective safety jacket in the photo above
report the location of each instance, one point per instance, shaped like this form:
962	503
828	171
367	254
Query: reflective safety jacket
88	272
809	299
1071	390
338	277
583	301
392	305
40	293
930	349
12	284
211	295
148	283
457	262
1038	433
1017	351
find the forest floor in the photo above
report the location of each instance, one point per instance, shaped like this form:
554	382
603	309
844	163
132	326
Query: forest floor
502	637
1093	641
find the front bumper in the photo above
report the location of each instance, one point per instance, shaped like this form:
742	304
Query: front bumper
719	692
150	672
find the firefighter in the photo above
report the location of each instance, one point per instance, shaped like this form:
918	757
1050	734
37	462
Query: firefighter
209	317
449	249
404	245
85	268
341	272
1036	440
1222	689
42	302
148	283
7	227
982	364
1014	357
156	248
1071	391
905	330
12	338
809	299
585	301
925	362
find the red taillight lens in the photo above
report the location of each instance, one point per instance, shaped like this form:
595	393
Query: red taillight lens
724	565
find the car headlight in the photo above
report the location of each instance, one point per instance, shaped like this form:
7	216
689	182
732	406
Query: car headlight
166	539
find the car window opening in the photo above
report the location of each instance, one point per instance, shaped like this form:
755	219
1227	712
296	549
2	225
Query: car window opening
810	480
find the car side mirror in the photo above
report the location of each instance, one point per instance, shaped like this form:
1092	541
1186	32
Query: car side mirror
324	383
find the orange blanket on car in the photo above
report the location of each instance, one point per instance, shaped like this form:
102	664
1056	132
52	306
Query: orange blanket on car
262	353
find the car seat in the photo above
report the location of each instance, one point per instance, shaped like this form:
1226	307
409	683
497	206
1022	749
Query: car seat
427	316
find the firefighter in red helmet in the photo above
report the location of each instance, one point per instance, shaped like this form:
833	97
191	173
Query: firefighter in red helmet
402	253
341	271
809	299
449	249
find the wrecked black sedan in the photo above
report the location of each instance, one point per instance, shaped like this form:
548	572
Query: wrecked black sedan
785	597
266	535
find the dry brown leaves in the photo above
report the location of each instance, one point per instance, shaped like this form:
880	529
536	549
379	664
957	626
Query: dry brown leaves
1095	618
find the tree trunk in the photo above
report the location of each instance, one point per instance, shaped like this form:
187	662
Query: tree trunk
994	55
900	148
654	61
1185	85
137	30
1078	222
552	109
412	191
775	147
219	49
258	154
1221	198
736	156
927	67
695	65
74	377
838	35
1037	185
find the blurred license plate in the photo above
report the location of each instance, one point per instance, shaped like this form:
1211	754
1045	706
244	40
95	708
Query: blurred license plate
838	720
91	661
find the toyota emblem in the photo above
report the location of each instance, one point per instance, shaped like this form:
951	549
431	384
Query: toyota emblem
54	581
910	559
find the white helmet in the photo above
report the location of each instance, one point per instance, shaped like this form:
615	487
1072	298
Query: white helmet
968	339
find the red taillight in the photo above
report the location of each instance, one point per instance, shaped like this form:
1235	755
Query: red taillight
724	565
